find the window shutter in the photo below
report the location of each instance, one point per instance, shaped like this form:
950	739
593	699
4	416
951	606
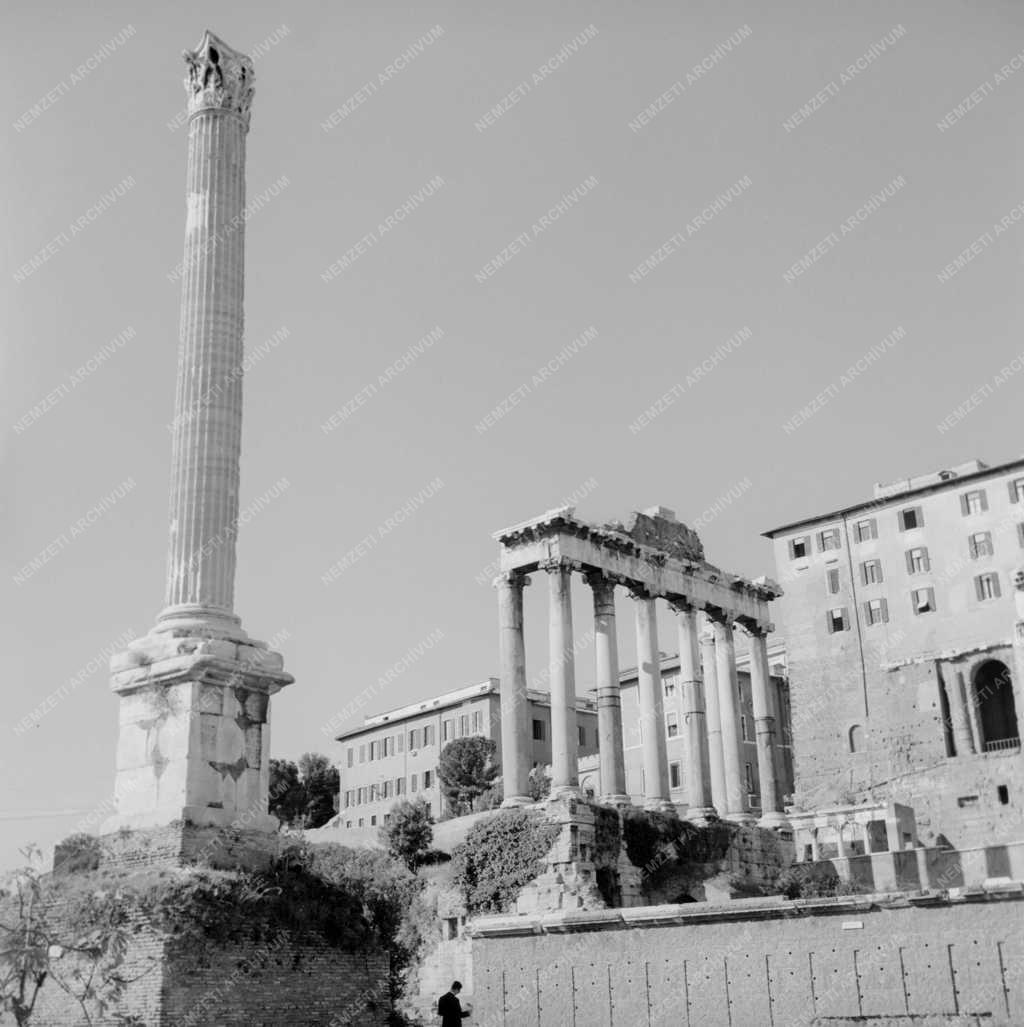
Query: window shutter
925	562
863	573
901	520
1013	490
885	611
873	528
821	541
995	585
973	546
881	576
867	612
931	598
984	499
964	509
977	588
910	561
828	622
1020	533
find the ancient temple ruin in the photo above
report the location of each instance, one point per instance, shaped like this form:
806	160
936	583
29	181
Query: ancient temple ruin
652	557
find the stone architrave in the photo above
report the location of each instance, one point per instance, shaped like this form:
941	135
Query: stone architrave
193	741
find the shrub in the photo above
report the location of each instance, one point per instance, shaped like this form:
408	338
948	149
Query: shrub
647	834
498	857
409	833
78	852
809	881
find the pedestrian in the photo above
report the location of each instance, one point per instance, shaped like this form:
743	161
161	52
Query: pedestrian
449	1008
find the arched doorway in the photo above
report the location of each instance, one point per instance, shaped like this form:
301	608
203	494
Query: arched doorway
993	694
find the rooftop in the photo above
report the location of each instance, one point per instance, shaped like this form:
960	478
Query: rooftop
897	491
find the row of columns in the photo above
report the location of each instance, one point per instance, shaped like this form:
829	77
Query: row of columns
709	685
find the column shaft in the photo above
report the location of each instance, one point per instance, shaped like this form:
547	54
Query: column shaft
764	727
716	758
564	735
609	700
728	703
515	712
652	710
698	786
207	433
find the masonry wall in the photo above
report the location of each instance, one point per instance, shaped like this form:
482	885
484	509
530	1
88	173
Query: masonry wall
758	962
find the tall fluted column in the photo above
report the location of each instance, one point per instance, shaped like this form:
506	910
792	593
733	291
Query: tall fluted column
652	708
515	711
609	700
716	759
564	733
194	734
207	430
698	787
728	704
764	727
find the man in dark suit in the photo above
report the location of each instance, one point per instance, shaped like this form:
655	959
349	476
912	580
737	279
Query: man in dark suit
449	1008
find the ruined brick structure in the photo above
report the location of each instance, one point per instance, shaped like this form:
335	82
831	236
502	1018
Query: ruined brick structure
899	620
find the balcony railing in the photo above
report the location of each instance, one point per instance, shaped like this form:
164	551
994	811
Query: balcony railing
1003	745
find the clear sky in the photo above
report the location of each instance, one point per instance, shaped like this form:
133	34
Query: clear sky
107	125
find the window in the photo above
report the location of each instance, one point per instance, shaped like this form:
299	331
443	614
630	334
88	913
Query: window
864	531
980	544
1004	795
348	823
975	502
986	586
743	729
401	741
412	783
672	722
373	793
373	821
675	775
463	725
351	755
361	821
362	754
399	786
448	730
917	560
836	620
373	751
581	734
1020	533
387	789
871	572
1017	490
538	730
876	611
478	722
389	745
799	547
828	539
923	600
669	687
910	518
361	796
749	774
412	740
832	581
426	779
387	818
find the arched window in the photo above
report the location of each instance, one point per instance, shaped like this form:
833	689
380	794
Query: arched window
856	738
993	696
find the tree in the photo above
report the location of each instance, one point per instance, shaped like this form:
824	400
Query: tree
407	836
84	957
467	769
287	795
321	781
540	783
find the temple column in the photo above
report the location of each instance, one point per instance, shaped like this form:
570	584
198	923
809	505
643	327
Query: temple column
728	701
564	734
716	759
764	726
515	711
652	710
698	786
609	700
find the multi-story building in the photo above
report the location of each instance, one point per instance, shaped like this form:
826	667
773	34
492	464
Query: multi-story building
898	616
394	755
676	734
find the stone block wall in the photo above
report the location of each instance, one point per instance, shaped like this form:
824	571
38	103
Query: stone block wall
884	959
180	843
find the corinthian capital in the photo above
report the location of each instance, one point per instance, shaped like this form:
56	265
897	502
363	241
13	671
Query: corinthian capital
219	78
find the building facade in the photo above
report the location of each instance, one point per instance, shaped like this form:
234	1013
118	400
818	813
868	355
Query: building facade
394	755
898	615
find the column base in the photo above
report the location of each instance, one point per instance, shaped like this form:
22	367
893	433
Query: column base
740	817
702	815
515	801
775	821
617	799
660	806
